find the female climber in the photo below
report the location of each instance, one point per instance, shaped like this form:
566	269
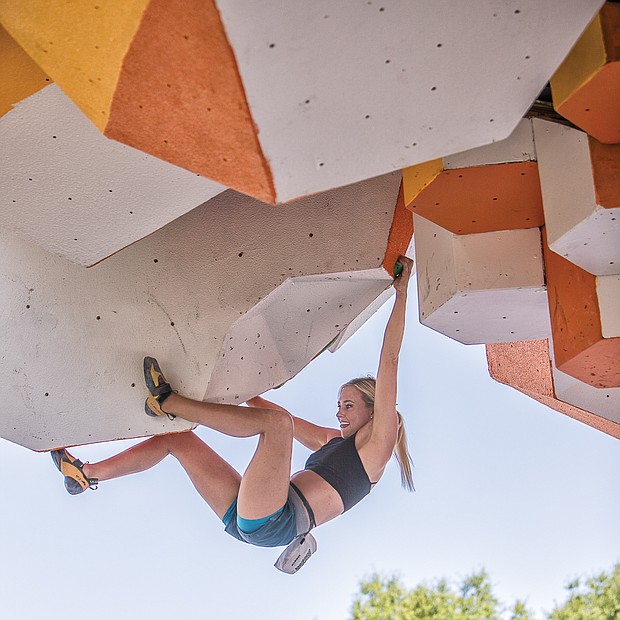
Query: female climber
266	506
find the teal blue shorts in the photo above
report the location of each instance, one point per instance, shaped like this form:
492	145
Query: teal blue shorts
279	529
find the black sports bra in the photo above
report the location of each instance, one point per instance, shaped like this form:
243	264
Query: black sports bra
339	464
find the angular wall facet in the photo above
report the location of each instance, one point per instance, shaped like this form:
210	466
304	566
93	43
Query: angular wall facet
74	338
180	97
481	288
80	45
529	368
581	196
263	344
578	303
586	87
494	187
415	81
69	189
300	101
604	402
20	76
361	318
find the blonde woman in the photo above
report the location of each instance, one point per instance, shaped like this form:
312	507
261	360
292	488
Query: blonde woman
266	506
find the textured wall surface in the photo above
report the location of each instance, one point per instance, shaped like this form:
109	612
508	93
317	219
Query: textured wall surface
581	196
78	194
158	106
20	76
263	346
74	338
490	188
481	288
528	367
80	45
580	347
180	91
586	87
292	108
410	85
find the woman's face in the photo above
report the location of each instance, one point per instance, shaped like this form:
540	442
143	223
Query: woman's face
353	412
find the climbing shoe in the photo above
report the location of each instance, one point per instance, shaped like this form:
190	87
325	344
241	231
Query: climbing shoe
159	389
76	481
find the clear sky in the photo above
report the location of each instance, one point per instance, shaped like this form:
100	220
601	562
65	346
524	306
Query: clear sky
503	483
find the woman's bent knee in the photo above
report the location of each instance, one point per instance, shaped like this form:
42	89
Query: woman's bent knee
176	442
279	421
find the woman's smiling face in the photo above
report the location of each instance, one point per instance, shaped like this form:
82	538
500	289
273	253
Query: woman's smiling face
353	412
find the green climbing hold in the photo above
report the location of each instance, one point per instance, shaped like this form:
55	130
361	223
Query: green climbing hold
398	269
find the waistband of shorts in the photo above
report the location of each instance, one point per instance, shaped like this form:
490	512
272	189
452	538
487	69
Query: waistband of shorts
299	501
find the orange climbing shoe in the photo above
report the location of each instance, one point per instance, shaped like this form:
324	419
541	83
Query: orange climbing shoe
76	481
159	389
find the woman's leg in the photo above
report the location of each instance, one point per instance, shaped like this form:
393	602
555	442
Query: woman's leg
265	483
216	481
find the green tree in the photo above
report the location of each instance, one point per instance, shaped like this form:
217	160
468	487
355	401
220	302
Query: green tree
387	599
596	598
520	612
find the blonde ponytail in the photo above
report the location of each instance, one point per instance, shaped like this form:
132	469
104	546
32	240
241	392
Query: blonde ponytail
402	456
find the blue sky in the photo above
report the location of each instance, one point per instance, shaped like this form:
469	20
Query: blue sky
503	483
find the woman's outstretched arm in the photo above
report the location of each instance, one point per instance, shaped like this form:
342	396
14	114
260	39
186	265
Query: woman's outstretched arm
385	422
310	435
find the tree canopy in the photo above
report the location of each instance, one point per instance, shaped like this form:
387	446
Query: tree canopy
594	598
380	598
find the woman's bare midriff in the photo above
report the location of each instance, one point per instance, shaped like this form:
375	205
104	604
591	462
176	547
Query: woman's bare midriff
322	497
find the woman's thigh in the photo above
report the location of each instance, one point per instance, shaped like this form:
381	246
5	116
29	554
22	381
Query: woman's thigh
265	483
215	479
